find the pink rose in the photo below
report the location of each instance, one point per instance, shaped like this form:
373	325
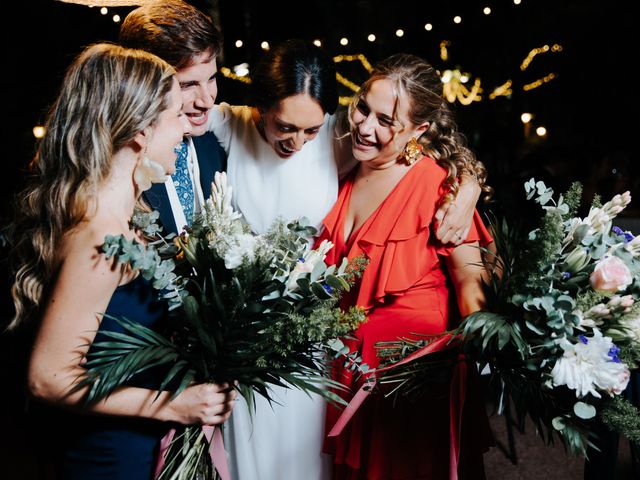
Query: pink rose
610	275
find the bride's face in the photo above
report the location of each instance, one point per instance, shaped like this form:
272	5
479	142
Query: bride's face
291	123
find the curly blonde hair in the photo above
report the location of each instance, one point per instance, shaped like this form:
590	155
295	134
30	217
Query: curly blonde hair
109	94
442	141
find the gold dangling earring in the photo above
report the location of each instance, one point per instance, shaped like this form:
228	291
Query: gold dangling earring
412	151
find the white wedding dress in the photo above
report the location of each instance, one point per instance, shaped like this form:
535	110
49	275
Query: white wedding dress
281	442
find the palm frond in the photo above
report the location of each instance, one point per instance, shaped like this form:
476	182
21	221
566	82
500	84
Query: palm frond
110	365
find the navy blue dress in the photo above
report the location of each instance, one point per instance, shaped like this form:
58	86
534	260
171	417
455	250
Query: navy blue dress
116	448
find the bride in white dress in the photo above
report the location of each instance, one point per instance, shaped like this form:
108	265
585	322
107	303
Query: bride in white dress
284	159
274	177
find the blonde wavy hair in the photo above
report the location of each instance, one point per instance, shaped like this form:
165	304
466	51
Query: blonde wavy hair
109	94
421	83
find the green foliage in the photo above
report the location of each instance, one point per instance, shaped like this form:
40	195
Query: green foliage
619	415
540	305
249	310
115	360
148	262
573	198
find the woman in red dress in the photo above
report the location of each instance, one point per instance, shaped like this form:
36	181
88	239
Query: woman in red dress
410	157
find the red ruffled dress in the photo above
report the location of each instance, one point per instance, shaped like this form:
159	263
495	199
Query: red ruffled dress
405	291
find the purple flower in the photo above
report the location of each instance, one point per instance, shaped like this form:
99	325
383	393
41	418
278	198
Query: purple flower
614	351
566	275
583	339
628	236
327	288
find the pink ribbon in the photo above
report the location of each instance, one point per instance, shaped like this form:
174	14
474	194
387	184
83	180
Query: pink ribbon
216	451
457	397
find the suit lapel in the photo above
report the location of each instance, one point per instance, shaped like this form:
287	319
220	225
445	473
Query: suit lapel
211	159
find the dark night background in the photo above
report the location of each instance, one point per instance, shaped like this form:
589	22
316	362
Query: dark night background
589	110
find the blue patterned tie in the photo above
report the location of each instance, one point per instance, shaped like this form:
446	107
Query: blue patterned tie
182	181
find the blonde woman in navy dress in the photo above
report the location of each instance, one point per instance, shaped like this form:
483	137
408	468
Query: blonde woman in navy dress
112	131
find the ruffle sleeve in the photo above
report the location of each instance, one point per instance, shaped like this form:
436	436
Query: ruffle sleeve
396	238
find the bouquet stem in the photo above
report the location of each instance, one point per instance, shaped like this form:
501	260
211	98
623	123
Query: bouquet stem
195	453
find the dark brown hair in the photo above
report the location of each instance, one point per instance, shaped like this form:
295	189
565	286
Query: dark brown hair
291	68
173	30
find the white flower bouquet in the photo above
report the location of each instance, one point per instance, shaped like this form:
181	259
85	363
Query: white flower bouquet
562	330
250	310
562	334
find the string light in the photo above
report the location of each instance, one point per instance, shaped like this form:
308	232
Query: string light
38	131
526	117
346	82
503	90
539	82
352	58
541	131
454	81
454	89
229	74
241	70
108	3
444	53
555	48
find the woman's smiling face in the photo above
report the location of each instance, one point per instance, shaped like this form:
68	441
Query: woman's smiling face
380	125
291	123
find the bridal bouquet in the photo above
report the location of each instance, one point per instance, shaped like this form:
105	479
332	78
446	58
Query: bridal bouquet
250	310
563	328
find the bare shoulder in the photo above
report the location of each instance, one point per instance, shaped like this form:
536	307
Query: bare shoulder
84	282
81	253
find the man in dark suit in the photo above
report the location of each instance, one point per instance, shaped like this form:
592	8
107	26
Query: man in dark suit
187	39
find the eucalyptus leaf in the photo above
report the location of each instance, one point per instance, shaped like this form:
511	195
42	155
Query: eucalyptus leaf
584	410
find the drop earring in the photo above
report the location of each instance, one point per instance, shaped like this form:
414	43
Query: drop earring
411	152
147	172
